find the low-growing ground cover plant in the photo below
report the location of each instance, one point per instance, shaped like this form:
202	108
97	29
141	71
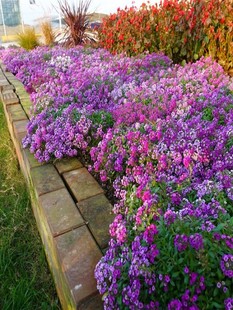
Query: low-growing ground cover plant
162	135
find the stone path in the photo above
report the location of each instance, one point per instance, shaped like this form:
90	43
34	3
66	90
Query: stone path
71	210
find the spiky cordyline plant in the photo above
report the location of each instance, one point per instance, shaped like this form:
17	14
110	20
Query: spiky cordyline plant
76	20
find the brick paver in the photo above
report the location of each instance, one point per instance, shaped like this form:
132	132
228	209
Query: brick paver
20	130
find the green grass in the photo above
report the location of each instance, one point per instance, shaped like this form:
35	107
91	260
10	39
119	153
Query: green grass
25	280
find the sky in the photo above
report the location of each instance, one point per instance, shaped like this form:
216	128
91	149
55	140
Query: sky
30	12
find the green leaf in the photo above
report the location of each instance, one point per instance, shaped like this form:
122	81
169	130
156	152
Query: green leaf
183	63
175	274
219	227
219	273
206	40
216	305
216	290
180	260
183	52
104	295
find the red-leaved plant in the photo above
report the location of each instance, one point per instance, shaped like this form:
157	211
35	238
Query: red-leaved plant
184	30
76	19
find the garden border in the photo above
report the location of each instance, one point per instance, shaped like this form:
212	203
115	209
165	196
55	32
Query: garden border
70	208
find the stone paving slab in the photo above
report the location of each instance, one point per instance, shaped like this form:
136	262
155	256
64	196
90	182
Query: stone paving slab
46	179
61	212
24	97
20	130
21	92
29	160
82	184
51	251
26	104
3	82
8	89
9	98
94	303
20	126
19	139
9	75
3	67
67	164
97	211
79	255
16	113
17	84
4	86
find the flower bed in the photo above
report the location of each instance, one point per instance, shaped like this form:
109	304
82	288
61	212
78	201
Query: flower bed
162	135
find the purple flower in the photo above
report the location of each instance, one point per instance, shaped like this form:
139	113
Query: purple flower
193	278
228	303
186	270
149	233
169	217
181	242
175	304
196	241
226	265
219	285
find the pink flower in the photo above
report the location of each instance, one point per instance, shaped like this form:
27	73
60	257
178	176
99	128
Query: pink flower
187	161
146	196
149	233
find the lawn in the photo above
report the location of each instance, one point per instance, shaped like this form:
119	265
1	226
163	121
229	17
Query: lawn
26	282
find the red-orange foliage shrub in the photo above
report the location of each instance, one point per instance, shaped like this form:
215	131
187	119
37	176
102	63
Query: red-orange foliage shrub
130	30
184	30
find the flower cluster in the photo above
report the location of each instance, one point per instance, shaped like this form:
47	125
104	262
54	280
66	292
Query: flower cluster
227	265
162	135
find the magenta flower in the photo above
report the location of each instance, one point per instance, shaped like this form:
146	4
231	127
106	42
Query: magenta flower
226	265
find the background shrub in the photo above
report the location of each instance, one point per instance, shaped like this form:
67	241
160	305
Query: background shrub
184	30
